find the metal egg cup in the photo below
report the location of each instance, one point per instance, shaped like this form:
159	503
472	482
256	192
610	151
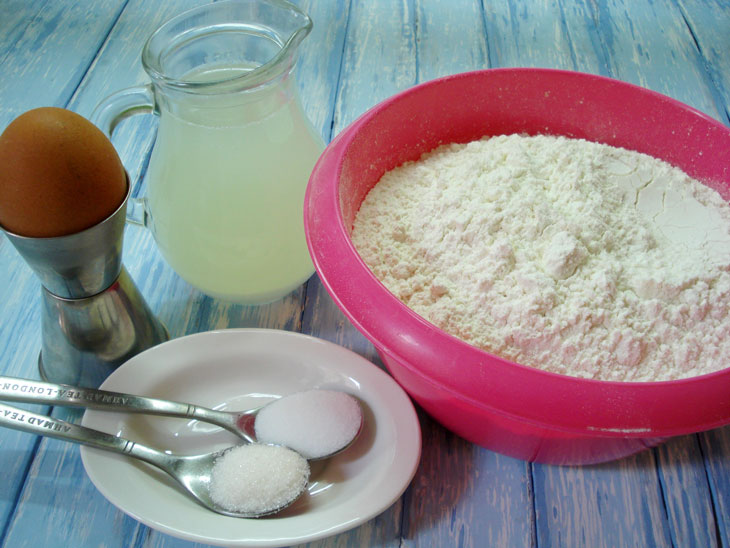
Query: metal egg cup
93	316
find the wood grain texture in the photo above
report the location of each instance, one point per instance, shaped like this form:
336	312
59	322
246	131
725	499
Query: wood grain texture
321	316
464	495
379	57
614	504
651	45
65	22
716	450
37	71
530	34
709	22
69	53
612	39
449	40
61	507
681	469
57	44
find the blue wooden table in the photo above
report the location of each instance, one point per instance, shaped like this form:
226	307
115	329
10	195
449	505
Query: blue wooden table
71	54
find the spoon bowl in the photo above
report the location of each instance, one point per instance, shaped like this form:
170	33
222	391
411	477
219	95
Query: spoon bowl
346	416
193	472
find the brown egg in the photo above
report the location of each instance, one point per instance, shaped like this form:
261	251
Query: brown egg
59	174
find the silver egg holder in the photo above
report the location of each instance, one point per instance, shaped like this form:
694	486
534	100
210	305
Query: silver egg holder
93	316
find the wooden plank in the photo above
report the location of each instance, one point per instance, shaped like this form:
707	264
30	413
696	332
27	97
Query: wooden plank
587	505
379	58
597	506
377	41
464	495
716	449
44	501
649	44
15	17
53	52
684	478
320	59
181	308
317	71
525	33
61	507
613	504
323	319
448	40
51	45
652	46
709	22
484	498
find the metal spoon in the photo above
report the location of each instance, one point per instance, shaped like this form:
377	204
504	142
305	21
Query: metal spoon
241	423
193	472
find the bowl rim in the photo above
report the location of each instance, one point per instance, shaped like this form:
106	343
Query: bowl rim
541	398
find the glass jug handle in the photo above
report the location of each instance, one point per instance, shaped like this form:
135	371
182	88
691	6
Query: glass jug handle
107	115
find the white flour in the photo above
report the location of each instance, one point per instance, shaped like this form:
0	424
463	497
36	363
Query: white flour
562	254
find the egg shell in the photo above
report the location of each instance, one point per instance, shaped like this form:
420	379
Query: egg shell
59	174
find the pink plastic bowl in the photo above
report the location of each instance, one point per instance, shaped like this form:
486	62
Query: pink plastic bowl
509	408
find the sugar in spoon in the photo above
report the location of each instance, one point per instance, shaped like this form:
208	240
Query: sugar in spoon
194	473
316	423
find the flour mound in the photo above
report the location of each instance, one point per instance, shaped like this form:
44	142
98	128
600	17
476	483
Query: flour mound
561	254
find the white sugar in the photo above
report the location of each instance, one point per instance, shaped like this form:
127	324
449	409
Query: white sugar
315	423
258	479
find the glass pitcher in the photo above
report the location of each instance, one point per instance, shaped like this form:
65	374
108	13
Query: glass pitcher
234	149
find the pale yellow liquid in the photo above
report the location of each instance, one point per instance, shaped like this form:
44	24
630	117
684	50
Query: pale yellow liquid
226	191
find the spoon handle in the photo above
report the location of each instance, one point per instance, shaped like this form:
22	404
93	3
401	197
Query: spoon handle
29	391
42	425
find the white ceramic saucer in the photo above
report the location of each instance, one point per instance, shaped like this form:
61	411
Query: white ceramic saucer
238	369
